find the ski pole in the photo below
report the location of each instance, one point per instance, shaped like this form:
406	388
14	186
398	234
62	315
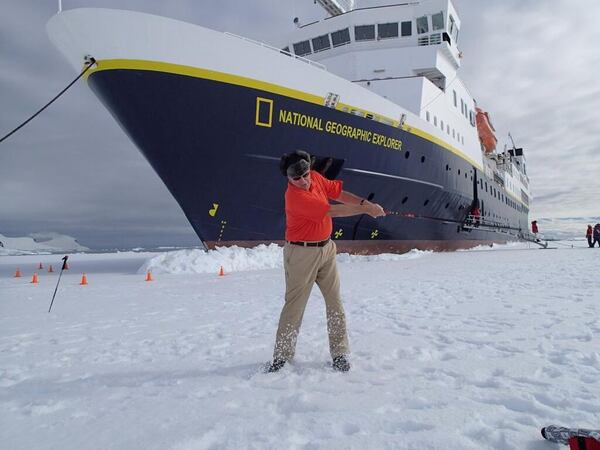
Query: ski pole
59	275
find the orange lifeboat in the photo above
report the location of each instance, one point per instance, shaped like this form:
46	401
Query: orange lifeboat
486	131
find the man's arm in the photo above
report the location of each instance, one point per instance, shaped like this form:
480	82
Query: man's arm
352	205
348	198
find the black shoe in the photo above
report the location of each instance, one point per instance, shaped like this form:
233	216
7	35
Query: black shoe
276	365
341	364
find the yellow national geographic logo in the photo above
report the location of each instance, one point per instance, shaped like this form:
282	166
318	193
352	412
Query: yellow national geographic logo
213	212
264	112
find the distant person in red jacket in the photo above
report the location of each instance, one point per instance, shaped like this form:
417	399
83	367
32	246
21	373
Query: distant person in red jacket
588	235
534	229
596	235
476	214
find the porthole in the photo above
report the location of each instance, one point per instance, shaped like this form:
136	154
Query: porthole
426	202
406	155
465	175
404	200
459	171
422	159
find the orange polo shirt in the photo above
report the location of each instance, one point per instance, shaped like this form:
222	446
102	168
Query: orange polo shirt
306	211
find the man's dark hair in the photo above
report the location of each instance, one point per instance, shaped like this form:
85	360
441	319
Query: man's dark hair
288	160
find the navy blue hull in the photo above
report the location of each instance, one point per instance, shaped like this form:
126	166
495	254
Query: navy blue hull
217	148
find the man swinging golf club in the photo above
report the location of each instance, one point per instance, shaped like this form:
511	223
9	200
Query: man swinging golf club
309	255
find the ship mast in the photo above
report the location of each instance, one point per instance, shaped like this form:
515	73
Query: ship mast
337	7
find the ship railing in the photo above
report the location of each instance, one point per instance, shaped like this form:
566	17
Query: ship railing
278	50
472	221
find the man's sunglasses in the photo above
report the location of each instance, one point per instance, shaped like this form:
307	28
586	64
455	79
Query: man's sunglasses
301	176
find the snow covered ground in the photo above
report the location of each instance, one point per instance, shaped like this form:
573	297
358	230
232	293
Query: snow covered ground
465	350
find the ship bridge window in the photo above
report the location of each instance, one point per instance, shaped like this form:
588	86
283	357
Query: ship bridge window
364	32
321	43
387	30
437	21
406	28
340	37
422	25
302	48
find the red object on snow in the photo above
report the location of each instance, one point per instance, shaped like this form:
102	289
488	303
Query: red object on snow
583	443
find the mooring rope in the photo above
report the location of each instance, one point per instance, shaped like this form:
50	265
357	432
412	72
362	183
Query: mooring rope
90	62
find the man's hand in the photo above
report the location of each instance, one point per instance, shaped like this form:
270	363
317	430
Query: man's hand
352	205
373	209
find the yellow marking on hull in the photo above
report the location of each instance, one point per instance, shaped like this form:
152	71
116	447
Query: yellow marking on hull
153	66
261	101
213	212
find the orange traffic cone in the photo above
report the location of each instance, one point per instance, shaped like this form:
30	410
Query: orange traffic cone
40	267
221	272
34	279
83	280
149	276
18	273
50	269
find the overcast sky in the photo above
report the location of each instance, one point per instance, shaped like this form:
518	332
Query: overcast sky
532	64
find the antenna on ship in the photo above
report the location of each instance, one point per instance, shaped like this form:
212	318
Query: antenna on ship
512	140
59	6
337	7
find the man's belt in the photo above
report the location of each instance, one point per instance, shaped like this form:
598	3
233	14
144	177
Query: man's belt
309	244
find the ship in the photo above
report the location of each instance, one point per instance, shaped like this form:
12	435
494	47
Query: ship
373	93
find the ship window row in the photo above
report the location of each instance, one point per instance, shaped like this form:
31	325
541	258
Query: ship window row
496	193
455	134
464	109
371	32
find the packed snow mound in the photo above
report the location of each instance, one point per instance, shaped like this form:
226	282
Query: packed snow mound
237	259
39	243
231	258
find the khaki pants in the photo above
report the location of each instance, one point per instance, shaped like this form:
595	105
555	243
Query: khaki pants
303	267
